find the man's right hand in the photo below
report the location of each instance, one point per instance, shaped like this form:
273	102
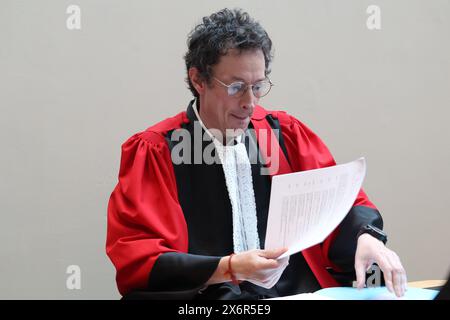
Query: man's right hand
260	267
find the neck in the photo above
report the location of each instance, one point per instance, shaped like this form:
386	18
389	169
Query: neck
219	135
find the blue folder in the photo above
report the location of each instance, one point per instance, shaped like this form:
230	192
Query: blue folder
378	293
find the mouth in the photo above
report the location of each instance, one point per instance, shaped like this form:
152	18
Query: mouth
240	117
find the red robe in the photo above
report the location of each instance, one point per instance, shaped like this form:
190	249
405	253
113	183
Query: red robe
145	218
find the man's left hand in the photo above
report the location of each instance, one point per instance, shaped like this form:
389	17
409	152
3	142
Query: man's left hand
370	250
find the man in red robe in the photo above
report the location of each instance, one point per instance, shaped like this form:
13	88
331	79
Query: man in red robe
183	226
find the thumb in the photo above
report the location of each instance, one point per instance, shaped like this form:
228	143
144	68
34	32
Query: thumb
273	253
360	274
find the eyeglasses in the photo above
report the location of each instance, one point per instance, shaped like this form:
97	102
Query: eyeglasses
237	89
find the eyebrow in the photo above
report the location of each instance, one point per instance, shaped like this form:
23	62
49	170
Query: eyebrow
240	79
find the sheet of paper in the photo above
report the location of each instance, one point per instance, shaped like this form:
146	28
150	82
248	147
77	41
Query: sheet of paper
305	207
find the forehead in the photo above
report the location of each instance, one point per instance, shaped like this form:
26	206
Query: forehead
246	65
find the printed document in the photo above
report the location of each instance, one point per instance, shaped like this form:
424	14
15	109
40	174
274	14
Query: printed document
305	207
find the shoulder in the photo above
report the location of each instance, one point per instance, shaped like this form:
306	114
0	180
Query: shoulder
305	148
155	134
284	118
291	128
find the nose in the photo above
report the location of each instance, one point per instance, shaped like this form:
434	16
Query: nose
248	99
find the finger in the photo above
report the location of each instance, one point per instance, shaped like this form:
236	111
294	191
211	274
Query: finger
404	278
405	281
360	269
264	263
396	276
386	267
397	281
272	253
369	265
268	264
399	274
283	263
277	266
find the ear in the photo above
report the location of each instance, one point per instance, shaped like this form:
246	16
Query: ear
197	80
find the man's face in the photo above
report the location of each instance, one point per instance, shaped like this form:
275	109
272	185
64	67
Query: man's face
220	111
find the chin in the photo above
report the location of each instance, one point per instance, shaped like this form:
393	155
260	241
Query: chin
239	123
236	130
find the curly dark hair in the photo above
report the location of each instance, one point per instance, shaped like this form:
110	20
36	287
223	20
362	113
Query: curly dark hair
221	31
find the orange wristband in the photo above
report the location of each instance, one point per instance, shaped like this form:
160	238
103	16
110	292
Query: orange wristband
230	271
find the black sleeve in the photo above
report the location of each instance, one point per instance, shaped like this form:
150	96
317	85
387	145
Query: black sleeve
177	276
342	250
181	271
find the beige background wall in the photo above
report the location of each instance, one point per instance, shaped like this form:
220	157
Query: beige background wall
68	99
